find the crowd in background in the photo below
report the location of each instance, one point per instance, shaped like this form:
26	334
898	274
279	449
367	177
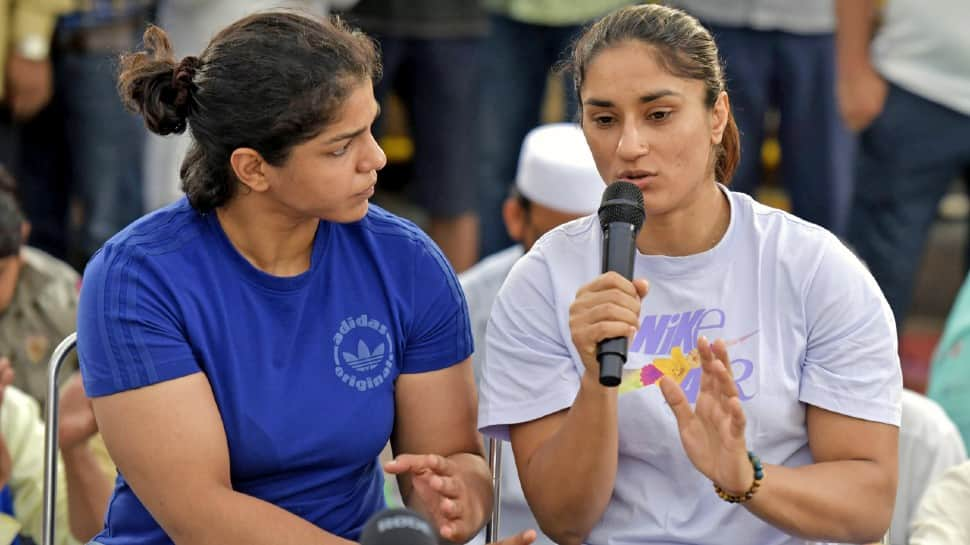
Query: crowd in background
868	100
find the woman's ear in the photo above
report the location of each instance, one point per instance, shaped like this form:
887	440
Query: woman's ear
720	114
250	169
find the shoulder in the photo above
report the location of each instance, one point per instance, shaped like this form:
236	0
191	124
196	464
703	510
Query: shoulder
771	223
397	241
925	420
577	237
495	266
166	231
393	229
802	249
49	279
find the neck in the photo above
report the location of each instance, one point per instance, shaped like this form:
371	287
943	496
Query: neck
691	229
272	242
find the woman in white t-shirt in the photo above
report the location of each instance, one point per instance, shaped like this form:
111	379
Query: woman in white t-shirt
811	382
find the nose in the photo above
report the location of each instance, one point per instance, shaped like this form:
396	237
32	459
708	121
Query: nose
374	158
632	143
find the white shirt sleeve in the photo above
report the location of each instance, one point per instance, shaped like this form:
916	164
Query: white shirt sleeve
529	370
851	365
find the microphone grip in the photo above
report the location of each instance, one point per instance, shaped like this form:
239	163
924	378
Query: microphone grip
619	247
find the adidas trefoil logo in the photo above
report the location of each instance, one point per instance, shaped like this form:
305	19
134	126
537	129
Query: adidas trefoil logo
365	359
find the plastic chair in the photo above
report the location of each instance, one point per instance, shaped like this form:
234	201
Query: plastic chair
50	451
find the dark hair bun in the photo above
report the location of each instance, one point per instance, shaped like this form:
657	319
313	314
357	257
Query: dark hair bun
152	84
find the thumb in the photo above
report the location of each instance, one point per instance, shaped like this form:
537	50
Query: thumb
677	400
642	286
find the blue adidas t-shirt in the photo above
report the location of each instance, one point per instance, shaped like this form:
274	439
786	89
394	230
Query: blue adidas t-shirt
302	368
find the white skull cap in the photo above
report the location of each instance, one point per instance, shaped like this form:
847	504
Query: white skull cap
556	170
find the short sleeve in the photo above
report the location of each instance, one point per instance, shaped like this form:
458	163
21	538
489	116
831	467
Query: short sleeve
130	333
439	334
851	363
529	371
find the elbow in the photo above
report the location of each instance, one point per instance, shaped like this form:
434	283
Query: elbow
880	514
565	536
565	530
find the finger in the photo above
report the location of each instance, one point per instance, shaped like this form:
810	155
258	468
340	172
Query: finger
605	330
738	420
611	280
451	509
446	486
642	286
611	311
704	349
592	299
725	380
677	400
418	463
720	352
709	381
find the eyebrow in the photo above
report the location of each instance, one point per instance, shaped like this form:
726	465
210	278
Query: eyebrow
643	99
355	133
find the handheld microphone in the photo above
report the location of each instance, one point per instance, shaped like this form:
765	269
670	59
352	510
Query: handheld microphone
398	527
621	217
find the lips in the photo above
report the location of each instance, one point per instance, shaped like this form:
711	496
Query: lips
639	177
367	192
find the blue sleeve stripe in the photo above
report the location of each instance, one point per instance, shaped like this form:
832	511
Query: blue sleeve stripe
119	298
464	332
103	294
137	345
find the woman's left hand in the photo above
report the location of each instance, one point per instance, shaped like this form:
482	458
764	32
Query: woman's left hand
441	494
713	432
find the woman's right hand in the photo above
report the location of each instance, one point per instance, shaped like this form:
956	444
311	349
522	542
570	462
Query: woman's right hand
607	307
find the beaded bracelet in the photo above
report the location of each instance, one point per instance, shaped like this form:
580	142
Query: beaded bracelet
759	474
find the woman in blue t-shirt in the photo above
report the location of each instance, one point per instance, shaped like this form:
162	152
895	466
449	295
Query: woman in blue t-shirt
251	348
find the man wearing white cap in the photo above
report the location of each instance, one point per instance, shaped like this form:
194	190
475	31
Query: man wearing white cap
556	182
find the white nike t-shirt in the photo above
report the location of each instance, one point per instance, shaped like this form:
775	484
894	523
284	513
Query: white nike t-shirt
804	321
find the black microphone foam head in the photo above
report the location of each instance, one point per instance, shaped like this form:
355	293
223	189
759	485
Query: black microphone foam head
398	527
622	202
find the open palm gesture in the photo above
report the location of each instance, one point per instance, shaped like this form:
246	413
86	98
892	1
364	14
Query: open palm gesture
713	432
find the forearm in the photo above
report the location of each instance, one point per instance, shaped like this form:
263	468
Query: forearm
88	492
569	479
222	515
854	28
846	501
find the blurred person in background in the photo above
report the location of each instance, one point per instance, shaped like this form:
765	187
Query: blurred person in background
80	157
943	517
556	182
780	54
431	50
191	24
26	76
38	298
82	485
929	445
525	39
904	84
949	379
